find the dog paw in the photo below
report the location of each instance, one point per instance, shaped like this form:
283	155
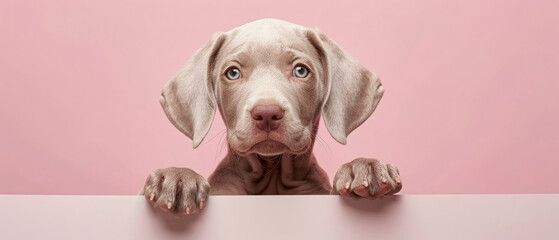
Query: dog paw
177	190
366	178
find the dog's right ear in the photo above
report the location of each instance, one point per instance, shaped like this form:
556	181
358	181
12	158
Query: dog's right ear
188	99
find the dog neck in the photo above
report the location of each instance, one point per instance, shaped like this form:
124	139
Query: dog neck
286	173
281	174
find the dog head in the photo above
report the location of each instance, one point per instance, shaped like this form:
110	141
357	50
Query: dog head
271	80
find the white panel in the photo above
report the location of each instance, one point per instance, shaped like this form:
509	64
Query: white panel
284	217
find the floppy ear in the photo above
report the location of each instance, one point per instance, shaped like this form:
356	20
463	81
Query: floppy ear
353	92
188	98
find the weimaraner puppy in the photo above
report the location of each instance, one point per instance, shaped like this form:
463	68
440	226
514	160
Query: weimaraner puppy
271	80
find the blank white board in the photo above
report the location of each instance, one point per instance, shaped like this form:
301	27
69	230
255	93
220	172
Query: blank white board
284	217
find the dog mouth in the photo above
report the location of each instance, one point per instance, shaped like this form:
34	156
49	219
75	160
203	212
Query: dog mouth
267	145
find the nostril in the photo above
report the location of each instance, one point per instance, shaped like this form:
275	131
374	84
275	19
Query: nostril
257	115
278	116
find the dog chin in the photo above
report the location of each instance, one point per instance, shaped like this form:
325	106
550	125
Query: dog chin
268	148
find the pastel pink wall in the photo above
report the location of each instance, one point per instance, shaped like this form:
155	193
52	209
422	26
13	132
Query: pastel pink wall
471	102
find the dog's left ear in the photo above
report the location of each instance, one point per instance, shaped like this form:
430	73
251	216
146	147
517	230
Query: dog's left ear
353	92
188	99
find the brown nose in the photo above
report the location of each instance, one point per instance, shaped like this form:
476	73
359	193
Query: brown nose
267	117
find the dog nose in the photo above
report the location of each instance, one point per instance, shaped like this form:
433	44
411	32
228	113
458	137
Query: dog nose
267	117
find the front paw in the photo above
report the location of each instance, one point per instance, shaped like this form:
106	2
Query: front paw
176	190
366	178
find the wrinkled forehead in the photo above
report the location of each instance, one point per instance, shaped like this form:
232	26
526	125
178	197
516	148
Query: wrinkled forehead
267	39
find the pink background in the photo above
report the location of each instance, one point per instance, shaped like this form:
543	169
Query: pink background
470	103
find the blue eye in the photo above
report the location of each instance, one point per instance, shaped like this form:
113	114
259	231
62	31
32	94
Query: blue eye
300	71
233	73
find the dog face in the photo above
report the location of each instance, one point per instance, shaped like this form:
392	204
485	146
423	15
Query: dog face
270	80
269	88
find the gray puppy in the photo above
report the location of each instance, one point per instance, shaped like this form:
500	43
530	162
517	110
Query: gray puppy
270	80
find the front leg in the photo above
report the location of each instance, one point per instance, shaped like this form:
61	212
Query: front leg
366	178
